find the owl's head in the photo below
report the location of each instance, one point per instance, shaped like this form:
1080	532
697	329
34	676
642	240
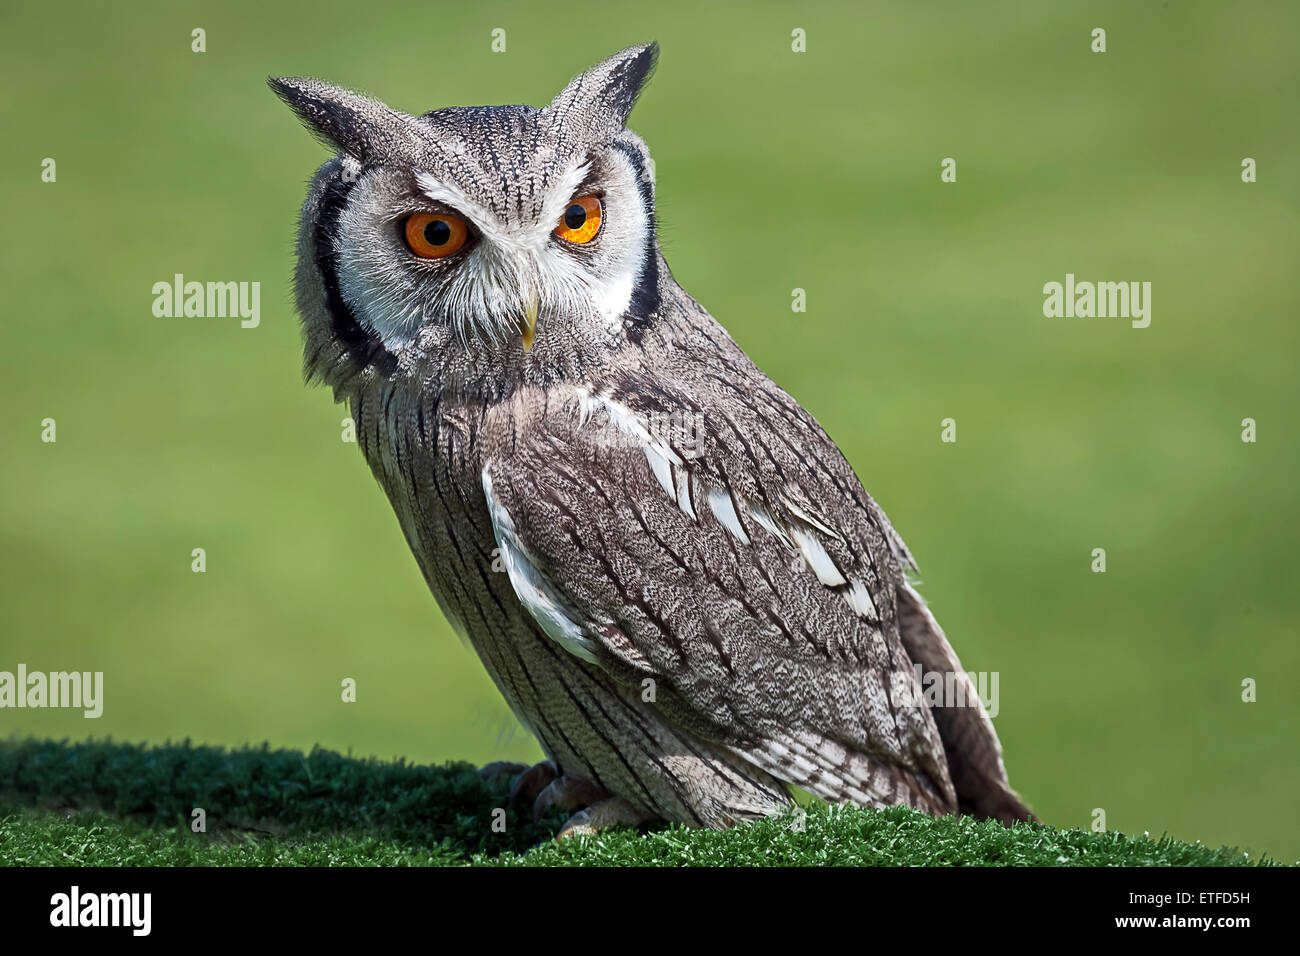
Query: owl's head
481	246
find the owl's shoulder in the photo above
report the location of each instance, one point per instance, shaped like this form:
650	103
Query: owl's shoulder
689	417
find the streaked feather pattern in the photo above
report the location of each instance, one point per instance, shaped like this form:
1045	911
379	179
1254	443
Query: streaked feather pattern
693	623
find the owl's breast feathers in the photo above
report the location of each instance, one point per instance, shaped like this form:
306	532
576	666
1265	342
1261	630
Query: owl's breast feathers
688	529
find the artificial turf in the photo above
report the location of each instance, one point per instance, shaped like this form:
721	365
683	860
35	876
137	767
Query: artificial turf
111	804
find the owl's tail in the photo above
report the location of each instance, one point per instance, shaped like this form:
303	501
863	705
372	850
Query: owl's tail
969	741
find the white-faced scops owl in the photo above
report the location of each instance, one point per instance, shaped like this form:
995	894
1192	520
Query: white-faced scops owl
668	568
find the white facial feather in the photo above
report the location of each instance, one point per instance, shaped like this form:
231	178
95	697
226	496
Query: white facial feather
514	262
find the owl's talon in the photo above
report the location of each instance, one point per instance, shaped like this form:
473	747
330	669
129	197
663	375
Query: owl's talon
566	793
533	780
602	815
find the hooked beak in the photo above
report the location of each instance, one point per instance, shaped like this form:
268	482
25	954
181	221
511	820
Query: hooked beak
528	322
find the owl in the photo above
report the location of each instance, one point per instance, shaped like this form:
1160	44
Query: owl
669	570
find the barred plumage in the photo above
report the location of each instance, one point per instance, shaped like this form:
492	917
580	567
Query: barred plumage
670	571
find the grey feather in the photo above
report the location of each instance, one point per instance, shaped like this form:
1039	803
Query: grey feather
362	127
691	621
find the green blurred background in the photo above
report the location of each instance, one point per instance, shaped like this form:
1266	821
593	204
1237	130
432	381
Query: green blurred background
776	170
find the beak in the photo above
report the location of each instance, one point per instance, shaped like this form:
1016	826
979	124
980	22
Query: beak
528	323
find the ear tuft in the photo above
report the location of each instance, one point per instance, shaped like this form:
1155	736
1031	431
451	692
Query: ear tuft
341	119
600	99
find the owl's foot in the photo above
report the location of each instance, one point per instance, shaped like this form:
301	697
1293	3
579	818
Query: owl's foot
566	793
548	789
602	815
528	781
533	780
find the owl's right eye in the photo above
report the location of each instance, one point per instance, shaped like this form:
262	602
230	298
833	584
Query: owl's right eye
435	235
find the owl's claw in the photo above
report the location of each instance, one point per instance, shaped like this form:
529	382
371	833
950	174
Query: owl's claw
566	793
551	790
533	780
601	815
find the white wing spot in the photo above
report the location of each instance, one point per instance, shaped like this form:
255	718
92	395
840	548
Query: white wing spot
817	558
684	492
803	515
674	478
532	588
859	599
662	468
766	522
665	464
724	509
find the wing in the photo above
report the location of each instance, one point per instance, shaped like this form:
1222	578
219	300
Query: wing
970	742
708	537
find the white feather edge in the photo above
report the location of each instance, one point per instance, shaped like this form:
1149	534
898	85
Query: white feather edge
675	479
534	591
724	509
814	552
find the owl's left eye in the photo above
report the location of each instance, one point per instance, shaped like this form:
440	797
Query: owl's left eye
581	220
435	235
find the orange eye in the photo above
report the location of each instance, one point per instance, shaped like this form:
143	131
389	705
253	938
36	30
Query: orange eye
435	235
581	220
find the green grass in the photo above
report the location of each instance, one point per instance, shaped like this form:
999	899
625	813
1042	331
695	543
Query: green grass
106	804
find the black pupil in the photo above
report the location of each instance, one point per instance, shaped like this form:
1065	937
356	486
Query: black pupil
575	216
437	233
